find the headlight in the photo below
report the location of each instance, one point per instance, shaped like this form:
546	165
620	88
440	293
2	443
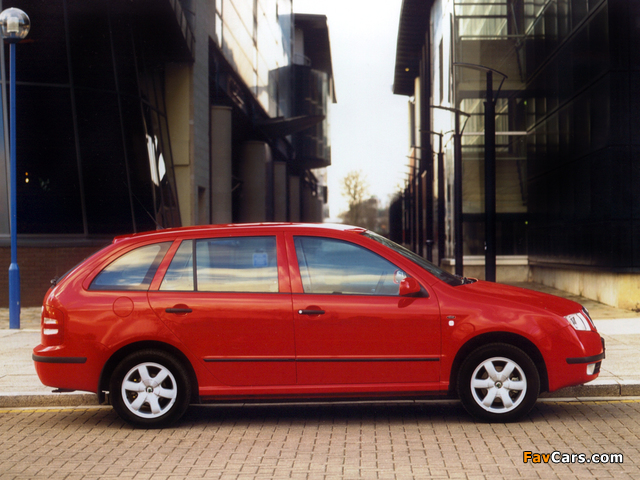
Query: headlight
579	321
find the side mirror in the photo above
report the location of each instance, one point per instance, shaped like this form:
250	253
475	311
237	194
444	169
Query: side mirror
409	286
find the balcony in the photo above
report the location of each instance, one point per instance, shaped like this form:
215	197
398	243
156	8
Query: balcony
311	98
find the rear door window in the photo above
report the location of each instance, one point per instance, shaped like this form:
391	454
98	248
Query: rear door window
239	264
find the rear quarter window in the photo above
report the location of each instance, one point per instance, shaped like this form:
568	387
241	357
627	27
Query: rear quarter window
132	271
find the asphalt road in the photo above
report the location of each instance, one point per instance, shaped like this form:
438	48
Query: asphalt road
370	441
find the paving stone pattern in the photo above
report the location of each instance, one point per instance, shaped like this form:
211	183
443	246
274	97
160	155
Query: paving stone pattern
379	441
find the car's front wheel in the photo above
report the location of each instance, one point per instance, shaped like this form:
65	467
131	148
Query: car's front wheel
150	389
498	383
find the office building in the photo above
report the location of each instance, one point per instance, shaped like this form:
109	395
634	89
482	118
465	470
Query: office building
566	143
147	114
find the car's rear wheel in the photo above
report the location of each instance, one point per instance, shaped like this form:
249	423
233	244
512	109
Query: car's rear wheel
498	383
150	389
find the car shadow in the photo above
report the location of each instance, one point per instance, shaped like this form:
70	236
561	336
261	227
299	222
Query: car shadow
341	413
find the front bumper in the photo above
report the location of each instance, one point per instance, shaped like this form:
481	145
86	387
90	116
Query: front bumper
583	355
589	359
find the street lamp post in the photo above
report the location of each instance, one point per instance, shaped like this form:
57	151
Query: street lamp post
426	169
489	168
407	209
417	219
15	26
441	200
457	187
490	181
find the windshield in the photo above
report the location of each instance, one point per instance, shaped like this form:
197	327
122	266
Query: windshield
415	258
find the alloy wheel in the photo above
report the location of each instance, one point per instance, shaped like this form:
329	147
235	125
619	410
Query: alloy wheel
498	385
149	390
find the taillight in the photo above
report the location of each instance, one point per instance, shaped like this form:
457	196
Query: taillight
52	326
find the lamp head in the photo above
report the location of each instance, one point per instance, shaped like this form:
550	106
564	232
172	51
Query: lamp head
14	24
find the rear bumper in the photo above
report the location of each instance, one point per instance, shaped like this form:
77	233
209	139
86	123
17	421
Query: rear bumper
43	359
59	369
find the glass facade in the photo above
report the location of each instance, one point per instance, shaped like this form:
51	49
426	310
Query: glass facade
256	38
488	34
312	97
118	104
93	153
580	171
565	146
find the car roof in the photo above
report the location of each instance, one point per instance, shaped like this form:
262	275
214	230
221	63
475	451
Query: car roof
236	228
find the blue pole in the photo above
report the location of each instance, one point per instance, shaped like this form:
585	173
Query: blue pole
14	271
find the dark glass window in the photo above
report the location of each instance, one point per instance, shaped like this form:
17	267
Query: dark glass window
47	173
105	167
42	57
158	156
90	45
103	162
136	147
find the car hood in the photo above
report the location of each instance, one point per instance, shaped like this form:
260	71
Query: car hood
500	294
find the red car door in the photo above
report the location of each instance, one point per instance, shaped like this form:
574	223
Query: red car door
351	326
230	304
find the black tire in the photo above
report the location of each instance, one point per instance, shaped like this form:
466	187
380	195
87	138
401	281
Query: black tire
488	393
150	389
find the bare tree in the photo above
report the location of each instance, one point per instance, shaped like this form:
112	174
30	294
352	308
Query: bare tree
355	189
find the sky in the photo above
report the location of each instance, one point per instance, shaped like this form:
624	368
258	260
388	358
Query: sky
369	129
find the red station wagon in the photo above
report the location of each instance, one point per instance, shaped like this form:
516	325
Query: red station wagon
157	321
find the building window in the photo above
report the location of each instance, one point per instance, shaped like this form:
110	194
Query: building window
89	108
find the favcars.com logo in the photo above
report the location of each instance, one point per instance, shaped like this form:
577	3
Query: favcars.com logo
559	457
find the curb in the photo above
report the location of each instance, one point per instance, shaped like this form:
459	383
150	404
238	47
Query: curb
76	399
598	389
47	399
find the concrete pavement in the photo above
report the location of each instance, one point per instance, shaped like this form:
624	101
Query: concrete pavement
620	373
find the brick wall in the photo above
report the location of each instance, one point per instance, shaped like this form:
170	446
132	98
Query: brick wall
38	265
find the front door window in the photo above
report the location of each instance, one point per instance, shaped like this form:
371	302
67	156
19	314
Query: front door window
329	266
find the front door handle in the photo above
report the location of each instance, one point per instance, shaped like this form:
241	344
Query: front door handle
179	310
311	312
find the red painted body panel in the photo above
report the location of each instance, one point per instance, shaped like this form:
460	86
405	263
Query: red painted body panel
250	346
69	376
567	343
368	340
229	330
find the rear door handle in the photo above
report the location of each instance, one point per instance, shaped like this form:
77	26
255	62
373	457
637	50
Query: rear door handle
179	310
311	312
